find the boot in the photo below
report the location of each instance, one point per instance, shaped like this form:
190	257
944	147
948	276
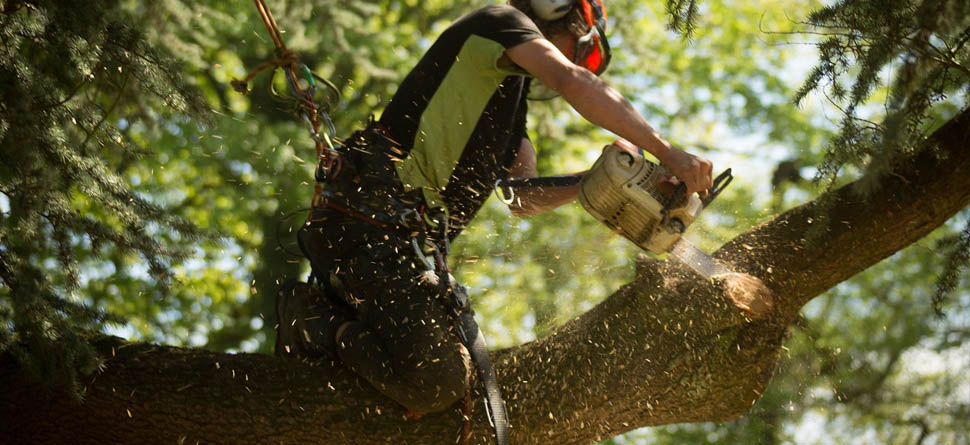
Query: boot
307	322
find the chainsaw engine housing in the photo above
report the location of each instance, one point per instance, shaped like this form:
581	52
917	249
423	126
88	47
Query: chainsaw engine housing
623	191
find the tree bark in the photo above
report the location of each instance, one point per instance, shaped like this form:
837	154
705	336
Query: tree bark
668	347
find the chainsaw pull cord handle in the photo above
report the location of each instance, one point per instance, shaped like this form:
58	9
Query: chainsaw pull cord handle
720	182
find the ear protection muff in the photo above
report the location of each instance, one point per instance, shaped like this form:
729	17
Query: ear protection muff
552	9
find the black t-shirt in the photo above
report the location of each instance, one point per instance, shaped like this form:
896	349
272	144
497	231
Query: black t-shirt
459	117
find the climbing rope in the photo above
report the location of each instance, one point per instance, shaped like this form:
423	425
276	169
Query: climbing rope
302	96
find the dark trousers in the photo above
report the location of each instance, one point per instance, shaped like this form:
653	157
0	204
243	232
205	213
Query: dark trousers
403	341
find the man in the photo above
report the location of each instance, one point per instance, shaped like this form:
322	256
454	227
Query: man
455	126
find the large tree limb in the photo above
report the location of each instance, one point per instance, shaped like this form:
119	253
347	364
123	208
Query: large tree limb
666	348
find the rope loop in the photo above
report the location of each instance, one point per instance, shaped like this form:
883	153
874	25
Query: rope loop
302	96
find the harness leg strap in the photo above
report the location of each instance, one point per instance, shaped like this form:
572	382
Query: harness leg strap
471	336
494	404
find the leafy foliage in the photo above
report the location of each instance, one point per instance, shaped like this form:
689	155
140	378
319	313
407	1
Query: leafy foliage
912	58
683	16
956	261
76	79
917	50
107	152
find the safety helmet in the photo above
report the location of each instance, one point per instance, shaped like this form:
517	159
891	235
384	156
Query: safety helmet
552	9
592	50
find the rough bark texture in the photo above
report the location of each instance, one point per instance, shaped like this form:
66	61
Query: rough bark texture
666	348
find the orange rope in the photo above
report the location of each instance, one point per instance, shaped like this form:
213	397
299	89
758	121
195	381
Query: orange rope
286	59
271	26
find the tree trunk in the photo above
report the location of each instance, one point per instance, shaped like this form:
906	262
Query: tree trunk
669	347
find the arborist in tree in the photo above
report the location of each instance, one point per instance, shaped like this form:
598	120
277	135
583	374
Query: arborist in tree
381	299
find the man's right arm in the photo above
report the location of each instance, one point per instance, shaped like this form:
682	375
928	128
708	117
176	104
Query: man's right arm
604	106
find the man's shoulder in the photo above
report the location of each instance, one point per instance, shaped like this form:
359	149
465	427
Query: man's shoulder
497	15
501	10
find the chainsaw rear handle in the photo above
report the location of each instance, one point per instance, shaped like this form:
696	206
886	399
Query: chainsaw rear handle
720	182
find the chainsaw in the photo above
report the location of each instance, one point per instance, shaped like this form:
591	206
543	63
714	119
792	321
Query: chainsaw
630	195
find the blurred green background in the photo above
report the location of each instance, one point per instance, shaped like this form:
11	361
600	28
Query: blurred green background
881	358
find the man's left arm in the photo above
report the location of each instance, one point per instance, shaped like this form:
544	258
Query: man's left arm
528	201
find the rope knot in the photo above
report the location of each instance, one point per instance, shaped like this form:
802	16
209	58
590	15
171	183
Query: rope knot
241	86
285	57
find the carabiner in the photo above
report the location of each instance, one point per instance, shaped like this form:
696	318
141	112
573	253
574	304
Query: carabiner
499	193
421	255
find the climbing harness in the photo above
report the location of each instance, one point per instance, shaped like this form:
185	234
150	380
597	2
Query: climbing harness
417	224
302	83
427	230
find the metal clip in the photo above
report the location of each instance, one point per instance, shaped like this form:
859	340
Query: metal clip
420	253
409	218
498	192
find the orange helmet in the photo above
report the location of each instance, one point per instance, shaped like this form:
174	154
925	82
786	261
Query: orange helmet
592	49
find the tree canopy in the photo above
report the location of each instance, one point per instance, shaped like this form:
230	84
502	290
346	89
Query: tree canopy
141	196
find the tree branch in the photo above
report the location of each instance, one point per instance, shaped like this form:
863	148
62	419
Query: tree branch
667	348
